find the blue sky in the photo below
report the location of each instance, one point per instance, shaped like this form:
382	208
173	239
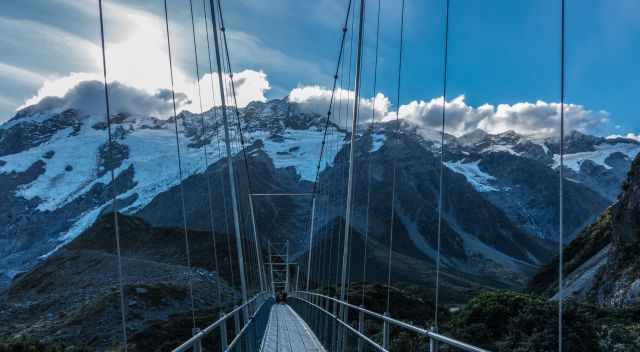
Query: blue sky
500	51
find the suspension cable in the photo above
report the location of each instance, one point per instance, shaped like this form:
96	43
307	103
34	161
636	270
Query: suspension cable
209	190
206	158
225	89
328	123
113	183
340	200
395	166
561	181
220	157
440	192
371	128
241	135
332	231
180	175
344	228
344	281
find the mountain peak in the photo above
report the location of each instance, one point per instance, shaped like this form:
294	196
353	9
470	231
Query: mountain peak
473	137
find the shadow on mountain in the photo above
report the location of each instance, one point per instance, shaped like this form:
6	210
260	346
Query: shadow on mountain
73	295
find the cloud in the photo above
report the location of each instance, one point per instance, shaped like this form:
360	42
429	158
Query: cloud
140	59
88	96
250	51
315	99
539	118
633	136
459	118
21	75
250	86
59	87
86	91
48	41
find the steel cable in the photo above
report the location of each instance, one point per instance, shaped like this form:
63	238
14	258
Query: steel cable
561	178
441	180
113	183
371	129
209	191
395	166
180	174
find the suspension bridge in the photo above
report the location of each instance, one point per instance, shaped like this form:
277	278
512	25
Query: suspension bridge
313	311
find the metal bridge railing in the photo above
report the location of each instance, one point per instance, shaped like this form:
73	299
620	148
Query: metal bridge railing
328	317
246	336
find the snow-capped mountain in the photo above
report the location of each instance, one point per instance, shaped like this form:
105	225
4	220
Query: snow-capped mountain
500	197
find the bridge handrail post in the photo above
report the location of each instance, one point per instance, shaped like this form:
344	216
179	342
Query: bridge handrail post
334	329
223	333
254	332
327	326
360	327
236	320
433	343
385	332
197	346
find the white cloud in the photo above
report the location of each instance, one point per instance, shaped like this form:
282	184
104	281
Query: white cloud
250	86
633	136
59	87
315	99
459	118
539	118
543	118
85	91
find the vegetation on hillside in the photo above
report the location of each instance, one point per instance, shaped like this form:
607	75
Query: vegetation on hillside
24	344
512	321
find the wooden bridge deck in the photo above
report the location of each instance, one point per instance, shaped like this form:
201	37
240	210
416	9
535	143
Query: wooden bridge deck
287	332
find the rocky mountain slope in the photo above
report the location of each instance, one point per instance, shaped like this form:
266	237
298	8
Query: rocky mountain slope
602	264
73	295
500	197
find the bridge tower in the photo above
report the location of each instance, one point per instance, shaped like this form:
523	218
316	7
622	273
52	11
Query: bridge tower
279	266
